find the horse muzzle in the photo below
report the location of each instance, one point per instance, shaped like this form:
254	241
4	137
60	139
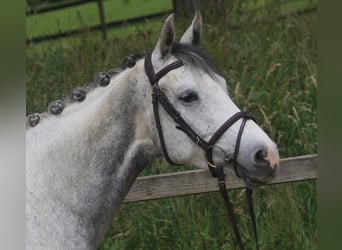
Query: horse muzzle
262	168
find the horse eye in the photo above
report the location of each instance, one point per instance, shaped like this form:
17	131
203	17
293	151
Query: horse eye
188	97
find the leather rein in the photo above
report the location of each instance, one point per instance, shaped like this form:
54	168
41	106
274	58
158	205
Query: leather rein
159	97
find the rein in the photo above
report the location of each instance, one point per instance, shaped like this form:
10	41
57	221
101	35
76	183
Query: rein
159	97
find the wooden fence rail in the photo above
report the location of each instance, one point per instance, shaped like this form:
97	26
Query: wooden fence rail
112	24
200	181
177	7
42	8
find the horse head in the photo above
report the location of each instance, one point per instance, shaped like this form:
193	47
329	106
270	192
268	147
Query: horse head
197	92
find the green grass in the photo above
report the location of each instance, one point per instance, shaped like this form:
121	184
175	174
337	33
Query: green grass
271	71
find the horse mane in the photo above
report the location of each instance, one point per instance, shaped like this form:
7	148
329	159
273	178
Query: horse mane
189	54
78	94
196	57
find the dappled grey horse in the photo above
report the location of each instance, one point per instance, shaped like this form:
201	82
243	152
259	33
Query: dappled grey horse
85	152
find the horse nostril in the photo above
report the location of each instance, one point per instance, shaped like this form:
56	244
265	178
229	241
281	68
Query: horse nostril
260	156
267	156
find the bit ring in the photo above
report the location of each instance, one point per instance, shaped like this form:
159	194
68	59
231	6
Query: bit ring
226	158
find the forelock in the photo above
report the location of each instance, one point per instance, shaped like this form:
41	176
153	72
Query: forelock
196	57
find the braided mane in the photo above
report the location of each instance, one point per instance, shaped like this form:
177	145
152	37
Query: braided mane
78	94
189	54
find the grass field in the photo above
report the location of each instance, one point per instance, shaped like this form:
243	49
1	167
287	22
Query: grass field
271	71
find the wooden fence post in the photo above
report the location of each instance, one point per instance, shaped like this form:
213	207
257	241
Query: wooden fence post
102	19
185	8
213	11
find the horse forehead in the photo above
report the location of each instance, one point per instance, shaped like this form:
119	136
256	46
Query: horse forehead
178	79
189	77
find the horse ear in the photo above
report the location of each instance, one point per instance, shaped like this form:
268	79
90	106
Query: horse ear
193	34
166	39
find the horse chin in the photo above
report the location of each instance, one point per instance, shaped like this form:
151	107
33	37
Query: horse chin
249	180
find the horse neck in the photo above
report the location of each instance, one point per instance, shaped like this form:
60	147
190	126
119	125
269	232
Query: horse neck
82	163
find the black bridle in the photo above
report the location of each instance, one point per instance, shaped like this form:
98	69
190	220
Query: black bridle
159	97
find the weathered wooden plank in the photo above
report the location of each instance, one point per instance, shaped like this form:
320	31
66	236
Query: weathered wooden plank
200	181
